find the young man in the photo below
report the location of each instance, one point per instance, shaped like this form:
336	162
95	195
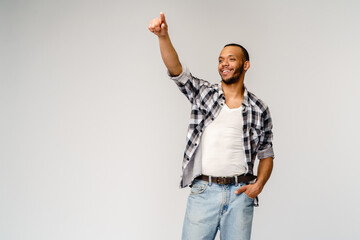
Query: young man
229	127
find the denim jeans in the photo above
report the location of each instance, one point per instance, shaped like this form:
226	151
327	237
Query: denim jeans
213	207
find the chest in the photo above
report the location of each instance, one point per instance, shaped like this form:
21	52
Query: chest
229	119
233	103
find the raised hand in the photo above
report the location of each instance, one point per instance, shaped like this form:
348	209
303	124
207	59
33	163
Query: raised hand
171	60
158	26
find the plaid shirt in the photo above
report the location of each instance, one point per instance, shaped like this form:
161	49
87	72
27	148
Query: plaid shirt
207	101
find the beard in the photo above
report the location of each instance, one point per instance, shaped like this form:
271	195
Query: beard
234	79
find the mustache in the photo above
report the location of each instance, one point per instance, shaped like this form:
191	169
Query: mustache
233	80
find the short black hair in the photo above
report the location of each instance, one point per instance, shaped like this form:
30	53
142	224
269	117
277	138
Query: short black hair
245	52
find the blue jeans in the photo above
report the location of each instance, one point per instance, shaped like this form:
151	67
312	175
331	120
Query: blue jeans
213	207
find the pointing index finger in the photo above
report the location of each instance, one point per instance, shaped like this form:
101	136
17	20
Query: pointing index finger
162	17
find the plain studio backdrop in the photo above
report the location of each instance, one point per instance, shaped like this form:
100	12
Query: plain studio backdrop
92	130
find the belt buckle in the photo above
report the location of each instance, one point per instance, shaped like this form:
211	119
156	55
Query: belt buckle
221	180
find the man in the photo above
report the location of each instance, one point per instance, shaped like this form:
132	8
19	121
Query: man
229	127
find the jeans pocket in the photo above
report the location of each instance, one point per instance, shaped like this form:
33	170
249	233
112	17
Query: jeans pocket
198	188
248	197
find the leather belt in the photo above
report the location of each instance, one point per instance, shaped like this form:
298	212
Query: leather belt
228	180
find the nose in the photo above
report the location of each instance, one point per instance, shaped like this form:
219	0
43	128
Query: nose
224	63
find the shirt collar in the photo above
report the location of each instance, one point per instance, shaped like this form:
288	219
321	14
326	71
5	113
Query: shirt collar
245	100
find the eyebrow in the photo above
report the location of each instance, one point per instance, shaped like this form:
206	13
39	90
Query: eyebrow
228	56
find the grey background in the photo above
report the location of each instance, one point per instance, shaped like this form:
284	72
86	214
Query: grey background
92	132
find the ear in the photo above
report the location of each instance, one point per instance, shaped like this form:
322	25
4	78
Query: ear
246	65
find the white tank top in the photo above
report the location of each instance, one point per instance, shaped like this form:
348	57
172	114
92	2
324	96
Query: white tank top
222	144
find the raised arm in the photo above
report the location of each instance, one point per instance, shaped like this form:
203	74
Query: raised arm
171	60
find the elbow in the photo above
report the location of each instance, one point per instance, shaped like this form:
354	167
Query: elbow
175	71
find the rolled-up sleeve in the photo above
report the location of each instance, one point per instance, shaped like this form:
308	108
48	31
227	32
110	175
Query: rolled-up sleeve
188	84
183	77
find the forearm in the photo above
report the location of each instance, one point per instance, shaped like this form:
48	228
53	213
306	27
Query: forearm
264	171
169	56
159	27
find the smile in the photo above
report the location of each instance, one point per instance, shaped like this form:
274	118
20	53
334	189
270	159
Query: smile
225	71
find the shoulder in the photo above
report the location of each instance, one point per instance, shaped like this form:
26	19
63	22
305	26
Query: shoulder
258	104
215	86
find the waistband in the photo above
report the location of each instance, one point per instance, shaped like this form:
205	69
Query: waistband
228	180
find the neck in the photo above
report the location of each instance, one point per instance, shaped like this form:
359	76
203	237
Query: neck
235	90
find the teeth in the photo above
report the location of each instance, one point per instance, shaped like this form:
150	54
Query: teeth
225	71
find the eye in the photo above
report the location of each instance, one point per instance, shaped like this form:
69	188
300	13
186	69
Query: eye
232	59
220	60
